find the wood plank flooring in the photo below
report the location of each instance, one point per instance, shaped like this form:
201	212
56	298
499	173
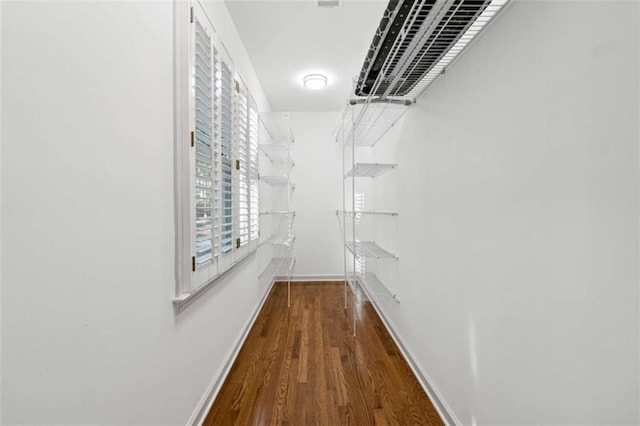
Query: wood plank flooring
302	365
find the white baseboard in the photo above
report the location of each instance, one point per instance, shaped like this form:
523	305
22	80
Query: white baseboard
306	278
204	405
444	409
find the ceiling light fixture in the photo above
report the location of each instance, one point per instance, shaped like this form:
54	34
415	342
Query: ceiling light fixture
315	81
328	3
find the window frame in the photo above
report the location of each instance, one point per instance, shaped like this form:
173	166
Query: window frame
190	280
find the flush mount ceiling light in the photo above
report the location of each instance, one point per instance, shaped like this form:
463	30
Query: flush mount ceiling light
315	81
328	3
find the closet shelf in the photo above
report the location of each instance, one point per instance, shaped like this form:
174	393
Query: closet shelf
285	267
351	213
271	269
279	266
373	119
369	249
376	288
277	152
277	180
285	240
278	126
279	239
370	169
278	212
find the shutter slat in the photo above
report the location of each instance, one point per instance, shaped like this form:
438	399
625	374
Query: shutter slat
203	116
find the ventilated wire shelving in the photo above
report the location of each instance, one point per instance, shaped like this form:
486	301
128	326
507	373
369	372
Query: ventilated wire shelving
369	249
277	152
359	249
376	289
398	70
365	212
278	212
285	240
414	44
275	179
282	239
278	267
370	169
375	120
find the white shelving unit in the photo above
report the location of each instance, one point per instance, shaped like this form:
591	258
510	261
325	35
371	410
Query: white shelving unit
378	290
359	212
284	240
373	119
276	212
275	179
279	267
279	217
371	170
404	69
277	152
369	249
360	128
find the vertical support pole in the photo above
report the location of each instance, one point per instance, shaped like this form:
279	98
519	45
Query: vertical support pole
344	218
353	207
290	217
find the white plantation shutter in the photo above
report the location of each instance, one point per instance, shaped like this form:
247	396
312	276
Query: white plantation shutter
217	187
242	156
202	140
254	196
226	126
217	157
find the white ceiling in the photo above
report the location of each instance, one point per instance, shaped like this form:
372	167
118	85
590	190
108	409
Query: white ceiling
289	39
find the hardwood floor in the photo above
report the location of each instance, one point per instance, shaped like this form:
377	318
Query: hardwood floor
302	365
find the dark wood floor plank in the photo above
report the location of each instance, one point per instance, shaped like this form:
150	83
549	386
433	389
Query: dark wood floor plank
302	365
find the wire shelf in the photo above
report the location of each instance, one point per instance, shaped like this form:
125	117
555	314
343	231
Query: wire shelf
271	269
351	213
493	8
373	121
275	179
278	212
277	152
437	34
278	126
370	169
376	288
279	266
369	249
285	267
283	240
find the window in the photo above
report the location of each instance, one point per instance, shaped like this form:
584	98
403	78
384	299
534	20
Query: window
217	139
254	146
242	157
226	153
204	137
247	164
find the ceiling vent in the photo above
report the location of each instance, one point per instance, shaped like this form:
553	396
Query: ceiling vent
328	3
416	40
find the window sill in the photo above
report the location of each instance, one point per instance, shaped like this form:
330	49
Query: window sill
182	301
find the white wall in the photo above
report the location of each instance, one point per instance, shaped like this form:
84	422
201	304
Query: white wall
517	189
1	118
89	333
317	175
